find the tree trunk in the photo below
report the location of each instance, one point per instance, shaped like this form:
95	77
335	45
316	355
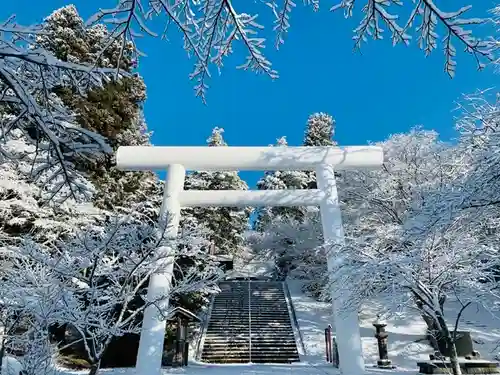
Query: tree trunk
94	368
455	365
433	330
2	354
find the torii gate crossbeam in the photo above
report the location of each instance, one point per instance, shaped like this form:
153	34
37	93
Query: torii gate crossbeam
176	160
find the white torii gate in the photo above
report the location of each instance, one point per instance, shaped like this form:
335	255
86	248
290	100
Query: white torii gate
176	160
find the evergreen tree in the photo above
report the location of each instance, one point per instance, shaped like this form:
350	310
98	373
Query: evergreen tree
225	225
279	180
319	132
113	110
23	211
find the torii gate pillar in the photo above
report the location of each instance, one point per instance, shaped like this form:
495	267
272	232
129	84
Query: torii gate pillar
323	160
346	323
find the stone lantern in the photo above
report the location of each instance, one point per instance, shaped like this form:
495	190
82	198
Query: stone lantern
381	335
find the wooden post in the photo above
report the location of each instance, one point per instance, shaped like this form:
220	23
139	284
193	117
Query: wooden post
335	353
178	345
328	344
186	353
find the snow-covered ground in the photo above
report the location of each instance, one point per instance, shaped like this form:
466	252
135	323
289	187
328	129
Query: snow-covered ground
406	335
313	317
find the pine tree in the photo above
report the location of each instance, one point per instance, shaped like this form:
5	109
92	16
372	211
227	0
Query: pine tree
319	132
279	180
113	110
23	211
225	225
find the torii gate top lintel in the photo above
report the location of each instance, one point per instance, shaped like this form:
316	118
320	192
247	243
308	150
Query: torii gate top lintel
137	158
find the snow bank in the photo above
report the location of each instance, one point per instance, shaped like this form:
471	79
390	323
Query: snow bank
405	345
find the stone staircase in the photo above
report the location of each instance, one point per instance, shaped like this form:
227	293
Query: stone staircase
250	323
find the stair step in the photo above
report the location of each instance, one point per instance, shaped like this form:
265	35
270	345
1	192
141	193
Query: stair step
221	345
229	360
246	354
226	360
255	340
226	342
250	317
274	341
266	325
246	350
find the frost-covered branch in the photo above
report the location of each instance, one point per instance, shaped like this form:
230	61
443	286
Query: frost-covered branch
209	29
32	298
106	269
29	76
431	17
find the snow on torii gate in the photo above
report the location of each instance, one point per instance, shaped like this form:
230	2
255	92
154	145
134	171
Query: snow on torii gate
176	160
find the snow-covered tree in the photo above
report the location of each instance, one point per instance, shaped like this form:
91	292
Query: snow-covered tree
22	208
320	129
479	125
226	225
424	246
32	299
293	245
103	272
105	110
279	180
28	76
436	264
113	110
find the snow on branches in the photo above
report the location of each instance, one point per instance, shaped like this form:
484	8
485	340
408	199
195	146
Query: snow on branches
211	27
430	17
29	75
24	209
32	298
99	277
479	125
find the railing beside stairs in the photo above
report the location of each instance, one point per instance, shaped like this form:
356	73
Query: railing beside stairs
204	328
295	321
249	319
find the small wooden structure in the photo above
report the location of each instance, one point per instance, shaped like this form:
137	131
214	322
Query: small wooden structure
182	318
226	261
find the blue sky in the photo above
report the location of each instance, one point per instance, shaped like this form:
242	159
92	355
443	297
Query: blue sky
382	91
